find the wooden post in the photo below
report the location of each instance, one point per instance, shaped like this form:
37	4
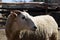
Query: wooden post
46	1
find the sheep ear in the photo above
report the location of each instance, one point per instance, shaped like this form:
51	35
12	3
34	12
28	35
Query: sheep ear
25	11
18	12
13	14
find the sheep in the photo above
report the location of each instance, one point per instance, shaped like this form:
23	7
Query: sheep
17	22
47	28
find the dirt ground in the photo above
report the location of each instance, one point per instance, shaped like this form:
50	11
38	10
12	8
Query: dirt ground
2	34
3	37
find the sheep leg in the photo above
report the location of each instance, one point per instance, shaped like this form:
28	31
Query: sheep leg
54	36
47	37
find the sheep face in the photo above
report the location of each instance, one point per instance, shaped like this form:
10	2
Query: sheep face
24	21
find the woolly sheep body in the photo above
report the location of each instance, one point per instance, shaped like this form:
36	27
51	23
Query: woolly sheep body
47	29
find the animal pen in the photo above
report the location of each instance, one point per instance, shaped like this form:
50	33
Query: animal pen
33	8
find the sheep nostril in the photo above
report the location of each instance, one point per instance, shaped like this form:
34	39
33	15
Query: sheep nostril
35	27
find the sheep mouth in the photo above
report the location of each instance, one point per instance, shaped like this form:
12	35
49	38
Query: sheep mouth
34	29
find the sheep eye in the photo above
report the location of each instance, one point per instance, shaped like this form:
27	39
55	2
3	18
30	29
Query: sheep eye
23	17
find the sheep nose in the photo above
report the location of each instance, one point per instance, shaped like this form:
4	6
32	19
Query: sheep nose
35	27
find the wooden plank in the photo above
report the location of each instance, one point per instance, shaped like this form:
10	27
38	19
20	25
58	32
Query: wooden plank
19	3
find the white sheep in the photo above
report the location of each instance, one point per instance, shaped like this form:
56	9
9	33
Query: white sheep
47	28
